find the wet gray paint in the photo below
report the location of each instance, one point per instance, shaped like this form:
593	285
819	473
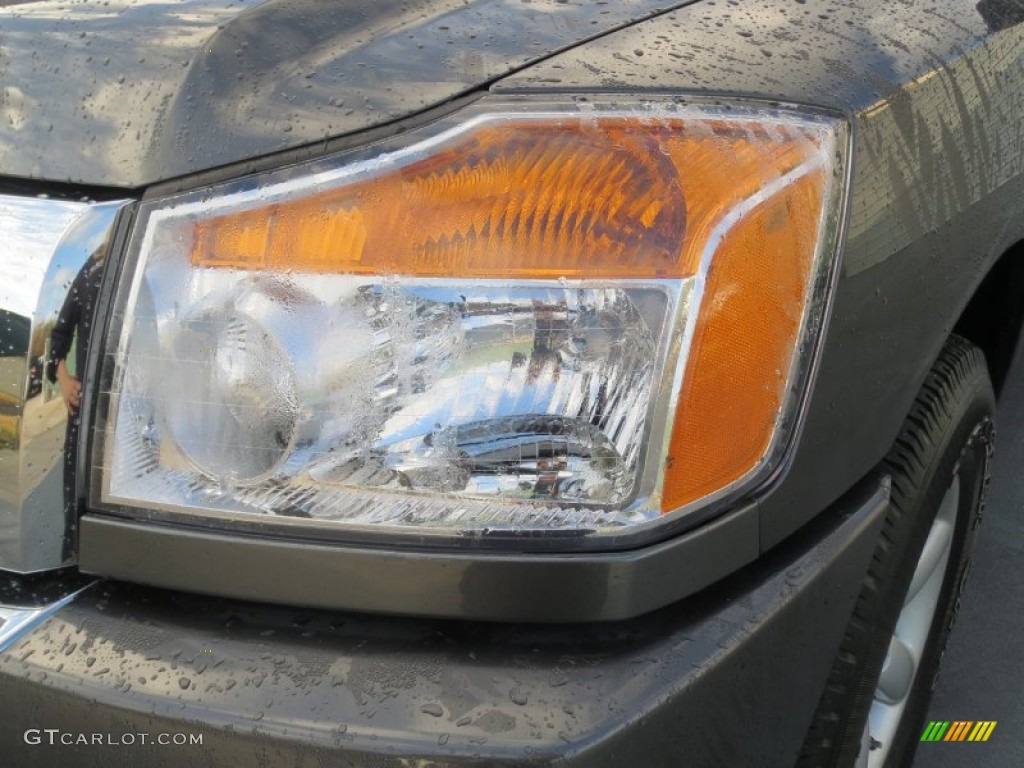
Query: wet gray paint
319	688
128	92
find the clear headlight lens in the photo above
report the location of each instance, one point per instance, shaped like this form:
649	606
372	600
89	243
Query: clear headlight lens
535	317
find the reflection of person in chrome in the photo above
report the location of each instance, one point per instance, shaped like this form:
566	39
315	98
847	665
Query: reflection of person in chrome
72	330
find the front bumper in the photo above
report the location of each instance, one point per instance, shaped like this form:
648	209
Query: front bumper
729	677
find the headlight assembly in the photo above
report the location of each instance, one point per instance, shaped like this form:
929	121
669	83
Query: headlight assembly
533	318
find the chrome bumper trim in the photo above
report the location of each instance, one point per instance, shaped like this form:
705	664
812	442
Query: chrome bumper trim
43	245
15	621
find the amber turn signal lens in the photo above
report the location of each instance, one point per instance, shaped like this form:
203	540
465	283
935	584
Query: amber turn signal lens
608	198
744	343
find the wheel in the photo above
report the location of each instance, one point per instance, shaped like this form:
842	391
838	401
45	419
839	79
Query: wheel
876	698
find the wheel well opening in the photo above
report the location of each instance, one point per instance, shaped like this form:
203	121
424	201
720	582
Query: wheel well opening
995	314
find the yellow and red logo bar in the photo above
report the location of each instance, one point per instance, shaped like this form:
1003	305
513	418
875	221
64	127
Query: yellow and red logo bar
958	730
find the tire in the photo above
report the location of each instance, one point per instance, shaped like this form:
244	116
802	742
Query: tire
939	468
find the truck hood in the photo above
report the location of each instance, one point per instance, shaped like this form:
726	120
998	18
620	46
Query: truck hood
125	93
